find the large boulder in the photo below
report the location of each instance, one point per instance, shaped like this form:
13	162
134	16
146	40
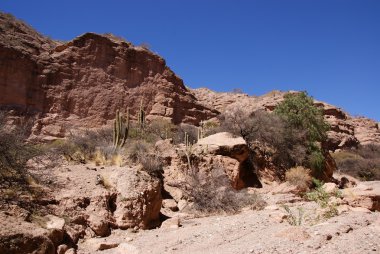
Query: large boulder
138	200
231	153
21	237
365	195
124	198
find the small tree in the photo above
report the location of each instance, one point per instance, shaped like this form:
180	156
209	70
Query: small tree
299	111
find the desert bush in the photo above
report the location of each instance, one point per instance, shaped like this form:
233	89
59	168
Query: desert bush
161	128
363	162
152	164
300	177
213	194
14	152
283	143
137	149
84	146
190	130
319	195
237	91
210	128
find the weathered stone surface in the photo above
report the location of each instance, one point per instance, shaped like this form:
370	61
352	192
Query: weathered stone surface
365	195
172	223
84	81
21	237
170	204
346	131
138	201
330	188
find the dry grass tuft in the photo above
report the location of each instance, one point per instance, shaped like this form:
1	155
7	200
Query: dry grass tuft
300	177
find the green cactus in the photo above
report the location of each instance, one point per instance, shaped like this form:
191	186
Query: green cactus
120	129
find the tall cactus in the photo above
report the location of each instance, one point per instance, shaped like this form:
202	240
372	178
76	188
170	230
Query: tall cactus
141	117
201	130
120	129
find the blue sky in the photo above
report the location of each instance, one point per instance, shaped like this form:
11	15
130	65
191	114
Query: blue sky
331	48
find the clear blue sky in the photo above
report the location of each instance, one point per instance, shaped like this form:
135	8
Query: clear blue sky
331	48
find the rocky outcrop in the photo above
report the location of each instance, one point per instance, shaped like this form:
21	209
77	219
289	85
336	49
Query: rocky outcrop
346	131
98	200
21	237
365	195
81	83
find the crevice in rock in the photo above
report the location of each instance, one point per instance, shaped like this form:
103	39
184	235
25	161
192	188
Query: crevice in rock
83	203
163	218
248	176
111	203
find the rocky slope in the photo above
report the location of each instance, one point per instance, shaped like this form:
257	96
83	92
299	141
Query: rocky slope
346	131
83	82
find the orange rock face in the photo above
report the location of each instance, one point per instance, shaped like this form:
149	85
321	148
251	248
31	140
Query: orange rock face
83	82
346	131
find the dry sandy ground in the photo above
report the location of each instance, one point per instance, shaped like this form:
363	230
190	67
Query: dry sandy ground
354	231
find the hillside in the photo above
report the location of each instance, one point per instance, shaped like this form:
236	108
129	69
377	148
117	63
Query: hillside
182	171
346	131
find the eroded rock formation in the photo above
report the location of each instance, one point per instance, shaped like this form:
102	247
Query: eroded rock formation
346	131
81	83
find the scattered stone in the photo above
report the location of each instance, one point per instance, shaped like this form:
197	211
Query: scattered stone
126	248
170	204
61	249
330	188
182	204
172	223
107	245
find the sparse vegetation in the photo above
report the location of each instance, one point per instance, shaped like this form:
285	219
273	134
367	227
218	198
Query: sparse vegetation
152	164
161	128
294	219
320	196
14	152
362	163
300	177
269	132
213	194
84	146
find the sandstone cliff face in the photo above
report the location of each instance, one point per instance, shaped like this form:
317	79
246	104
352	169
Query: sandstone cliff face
346	131
83	82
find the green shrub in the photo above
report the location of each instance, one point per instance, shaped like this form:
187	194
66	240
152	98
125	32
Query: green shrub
316	161
318	194
300	112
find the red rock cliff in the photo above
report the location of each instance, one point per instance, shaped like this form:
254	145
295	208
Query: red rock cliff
84	81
